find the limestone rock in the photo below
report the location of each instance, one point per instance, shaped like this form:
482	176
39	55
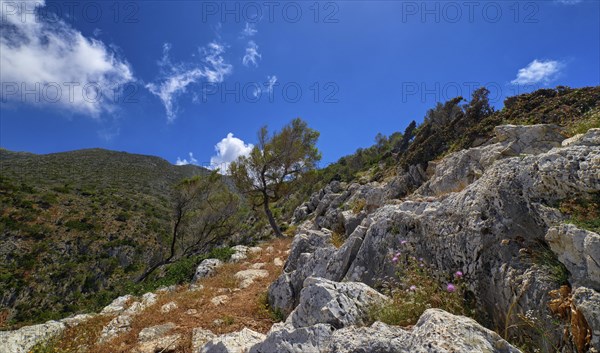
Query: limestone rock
288	339
23	339
337	304
240	254
591	138
236	342
115	327
77	319
149	299
588	302
118	305
199	338
379	337
206	268
247	277
219	300
579	251
441	331
168	307
165	344
277	262
154	332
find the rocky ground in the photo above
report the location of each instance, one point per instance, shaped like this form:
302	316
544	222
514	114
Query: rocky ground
491	213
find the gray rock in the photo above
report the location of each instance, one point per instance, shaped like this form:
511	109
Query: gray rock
170	306
149	299
588	302
199	338
236	342
115	327
337	304
440	331
579	251
247	277
77	319
154	332
118	305
287	339
25	338
207	268
591	138
379	338
240	254
171	343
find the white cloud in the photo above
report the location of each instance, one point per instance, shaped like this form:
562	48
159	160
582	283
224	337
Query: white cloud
228	150
67	69
184	161
250	30
538	71
271	81
252	55
177	77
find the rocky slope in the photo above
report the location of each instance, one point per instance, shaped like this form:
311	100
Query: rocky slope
486	211
492	212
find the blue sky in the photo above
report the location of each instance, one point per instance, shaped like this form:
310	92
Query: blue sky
201	77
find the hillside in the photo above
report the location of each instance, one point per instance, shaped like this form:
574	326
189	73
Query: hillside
76	226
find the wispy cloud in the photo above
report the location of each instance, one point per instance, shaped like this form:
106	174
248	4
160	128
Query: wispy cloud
184	161
252	55
249	31
46	54
228	150
175	78
538	71
271	81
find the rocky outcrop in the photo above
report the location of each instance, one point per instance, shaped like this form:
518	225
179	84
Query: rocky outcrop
483	211
23	339
247	277
579	251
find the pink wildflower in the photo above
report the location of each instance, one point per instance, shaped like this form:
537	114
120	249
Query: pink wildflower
458	274
413	288
395	259
451	288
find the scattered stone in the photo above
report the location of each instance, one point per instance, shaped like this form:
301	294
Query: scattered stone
168	307
255	250
240	254
117	306
168	289
207	268
199	338
115	327
236	342
154	332
219	300
196	287
218	322
278	262
258	266
77	319
162	345
25	338
270	249
192	312
149	299
247	277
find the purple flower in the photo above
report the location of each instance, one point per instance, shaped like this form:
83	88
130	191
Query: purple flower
403	242
421	259
421	265
458	274
395	259
413	288
397	254
451	288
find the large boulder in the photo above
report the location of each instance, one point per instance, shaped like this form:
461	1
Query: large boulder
288	339
115	327
333	303
118	305
25	338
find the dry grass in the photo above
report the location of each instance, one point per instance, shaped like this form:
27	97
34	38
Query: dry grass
245	308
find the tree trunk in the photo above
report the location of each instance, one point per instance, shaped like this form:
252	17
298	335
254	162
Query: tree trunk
270	217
